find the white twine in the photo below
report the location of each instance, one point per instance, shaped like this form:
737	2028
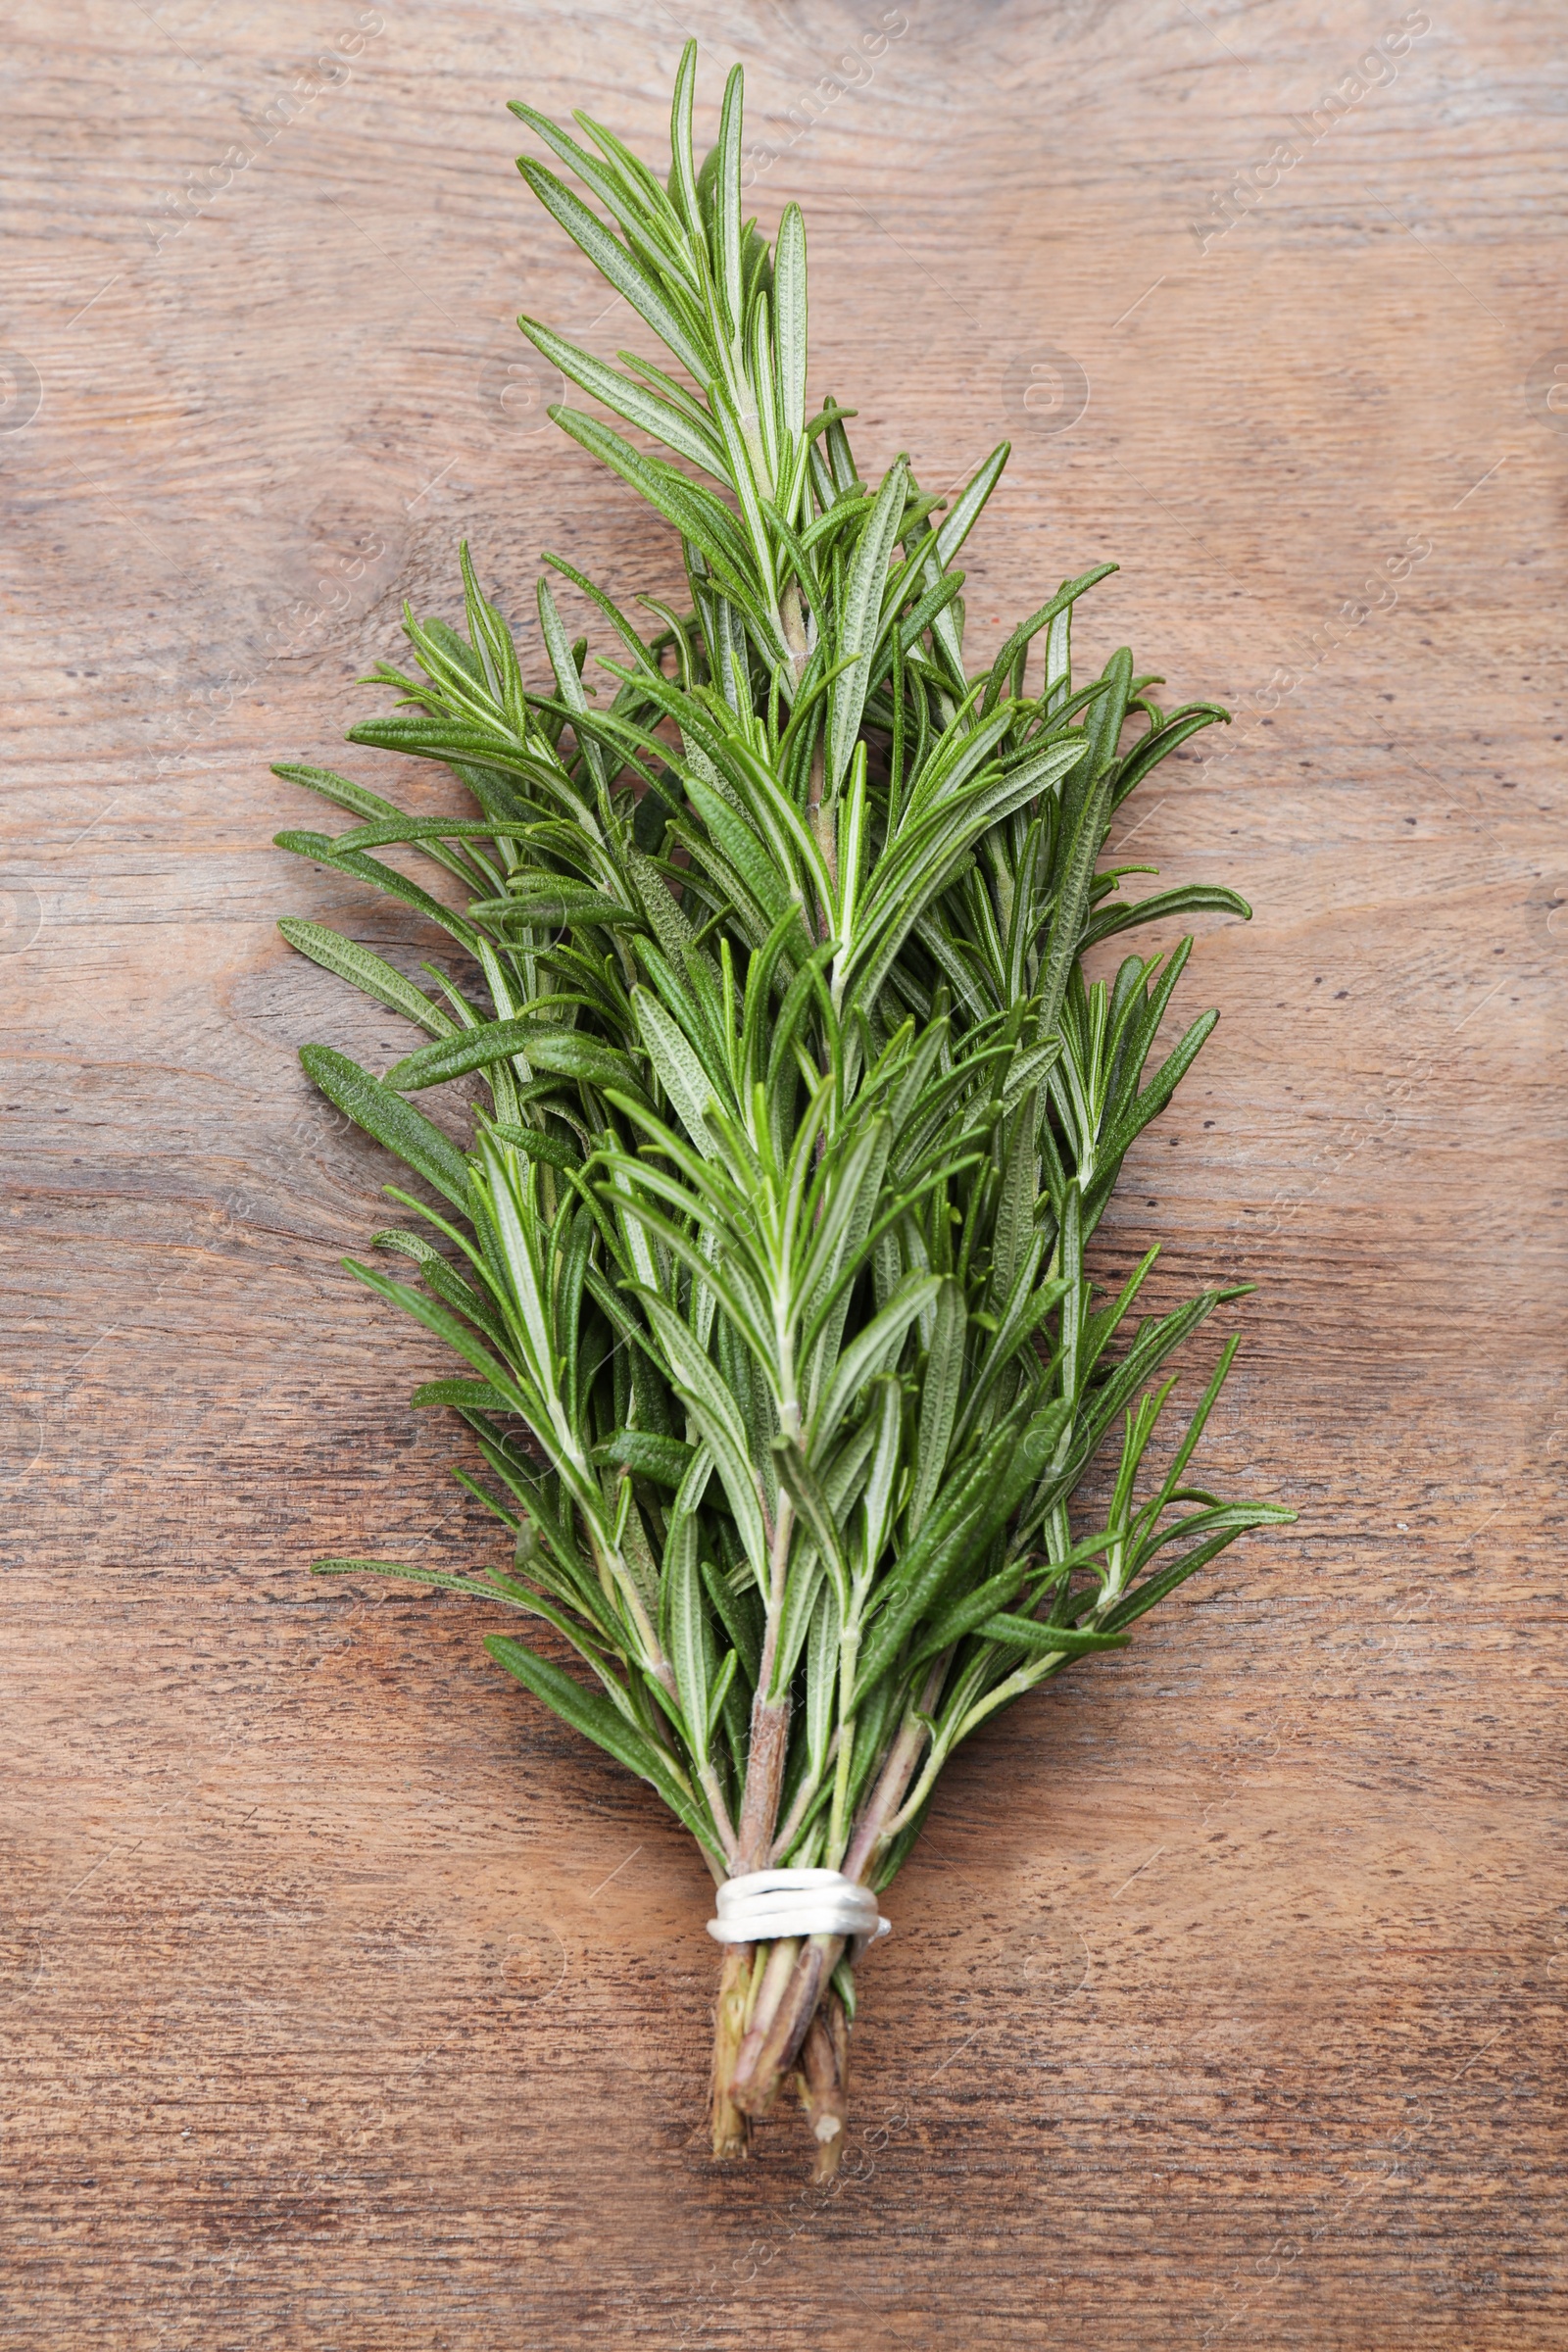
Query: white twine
765	1904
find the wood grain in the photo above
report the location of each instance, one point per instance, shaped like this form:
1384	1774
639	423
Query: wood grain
350	2003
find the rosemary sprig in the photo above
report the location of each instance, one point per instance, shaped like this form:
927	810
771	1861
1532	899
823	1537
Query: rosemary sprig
768	1262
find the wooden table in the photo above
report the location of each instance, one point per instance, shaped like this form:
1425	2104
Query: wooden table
351	2003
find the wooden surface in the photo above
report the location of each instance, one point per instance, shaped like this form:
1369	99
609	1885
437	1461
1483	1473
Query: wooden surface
350	2003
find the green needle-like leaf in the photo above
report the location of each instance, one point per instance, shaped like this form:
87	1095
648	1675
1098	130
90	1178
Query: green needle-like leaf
392	1121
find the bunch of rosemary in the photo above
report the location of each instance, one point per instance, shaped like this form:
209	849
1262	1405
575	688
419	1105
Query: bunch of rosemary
767	1260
